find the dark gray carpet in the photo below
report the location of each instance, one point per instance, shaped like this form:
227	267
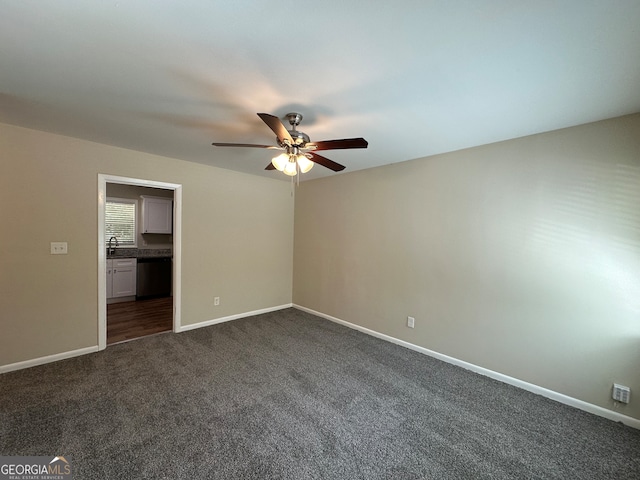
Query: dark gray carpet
292	396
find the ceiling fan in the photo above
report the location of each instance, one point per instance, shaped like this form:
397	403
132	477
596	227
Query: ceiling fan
299	152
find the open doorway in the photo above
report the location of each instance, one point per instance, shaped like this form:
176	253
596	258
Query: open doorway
139	266
139	229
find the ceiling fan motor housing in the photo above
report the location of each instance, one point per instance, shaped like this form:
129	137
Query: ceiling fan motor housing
299	138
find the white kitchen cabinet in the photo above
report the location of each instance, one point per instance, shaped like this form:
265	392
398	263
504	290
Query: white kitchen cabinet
109	279
157	215
121	277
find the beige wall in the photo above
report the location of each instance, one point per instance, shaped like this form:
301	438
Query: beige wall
522	257
237	235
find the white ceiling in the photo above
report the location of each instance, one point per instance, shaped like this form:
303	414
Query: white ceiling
414	78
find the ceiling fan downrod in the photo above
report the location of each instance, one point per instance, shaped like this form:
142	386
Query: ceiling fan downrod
300	139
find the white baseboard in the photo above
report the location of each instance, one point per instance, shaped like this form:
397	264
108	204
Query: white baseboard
559	397
48	359
83	351
215	321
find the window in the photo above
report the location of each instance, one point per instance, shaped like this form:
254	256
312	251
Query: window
120	221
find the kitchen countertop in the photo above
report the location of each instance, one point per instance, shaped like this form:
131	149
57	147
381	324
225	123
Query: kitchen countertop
141	253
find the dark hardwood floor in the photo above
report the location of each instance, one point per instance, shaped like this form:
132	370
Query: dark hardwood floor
129	320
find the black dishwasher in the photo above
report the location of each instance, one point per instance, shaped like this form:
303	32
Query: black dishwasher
154	277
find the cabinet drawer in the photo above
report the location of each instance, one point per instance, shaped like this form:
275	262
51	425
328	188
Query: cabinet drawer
123	262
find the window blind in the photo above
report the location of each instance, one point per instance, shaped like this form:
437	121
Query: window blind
120	221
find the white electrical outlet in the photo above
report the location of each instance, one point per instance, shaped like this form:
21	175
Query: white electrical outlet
216	301
58	248
621	393
411	322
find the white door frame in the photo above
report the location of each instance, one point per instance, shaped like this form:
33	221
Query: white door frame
102	249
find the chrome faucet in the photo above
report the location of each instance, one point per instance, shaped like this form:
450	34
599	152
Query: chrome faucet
111	250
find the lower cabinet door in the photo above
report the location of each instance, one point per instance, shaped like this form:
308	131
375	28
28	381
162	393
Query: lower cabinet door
124	277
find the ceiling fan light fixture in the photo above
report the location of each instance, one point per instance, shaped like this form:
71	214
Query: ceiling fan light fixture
304	163
291	168
280	161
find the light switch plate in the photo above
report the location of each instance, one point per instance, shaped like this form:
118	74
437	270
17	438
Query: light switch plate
58	248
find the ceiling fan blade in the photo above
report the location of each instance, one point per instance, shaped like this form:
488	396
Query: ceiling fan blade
278	128
270	167
250	145
340	144
325	162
